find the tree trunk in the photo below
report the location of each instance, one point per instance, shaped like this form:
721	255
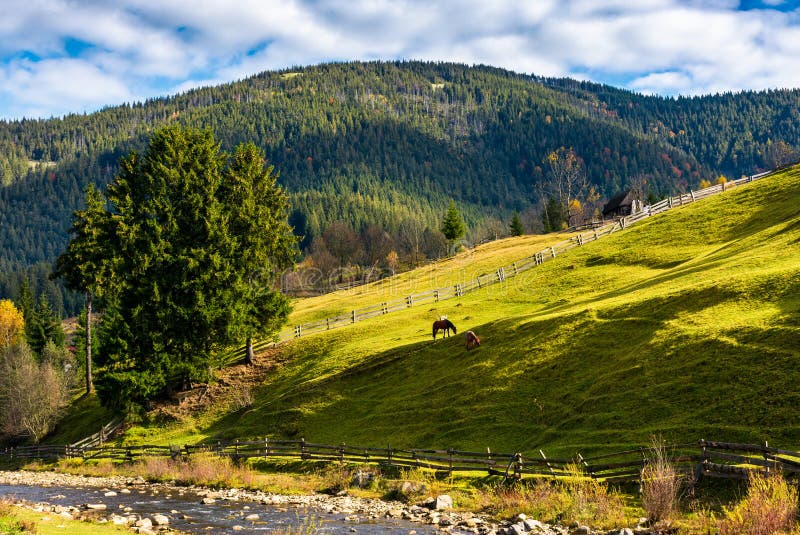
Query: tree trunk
249	354
88	342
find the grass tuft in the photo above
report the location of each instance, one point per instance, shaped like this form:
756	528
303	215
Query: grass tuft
770	507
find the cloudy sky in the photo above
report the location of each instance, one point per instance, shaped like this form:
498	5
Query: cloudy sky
65	56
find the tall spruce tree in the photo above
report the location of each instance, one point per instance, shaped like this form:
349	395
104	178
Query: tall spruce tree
84	265
452	224
186	240
171	292
515	227
257	212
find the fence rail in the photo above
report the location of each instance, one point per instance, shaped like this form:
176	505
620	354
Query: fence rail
589	233
693	460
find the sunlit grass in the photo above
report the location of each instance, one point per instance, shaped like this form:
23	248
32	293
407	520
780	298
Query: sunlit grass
685	325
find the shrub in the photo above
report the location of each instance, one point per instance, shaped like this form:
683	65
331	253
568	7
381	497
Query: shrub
543	500
660	485
769	507
335	478
591	501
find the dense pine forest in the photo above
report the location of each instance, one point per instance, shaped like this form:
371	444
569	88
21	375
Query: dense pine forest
371	154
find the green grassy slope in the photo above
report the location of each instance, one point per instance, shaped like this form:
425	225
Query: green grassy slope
687	324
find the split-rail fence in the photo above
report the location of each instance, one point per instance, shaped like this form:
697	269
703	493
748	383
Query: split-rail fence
500	274
693	461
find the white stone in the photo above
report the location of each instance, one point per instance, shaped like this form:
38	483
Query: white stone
144	523
443	501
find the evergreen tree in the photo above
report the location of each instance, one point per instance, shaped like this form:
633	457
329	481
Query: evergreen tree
452	224
257	210
187	248
554	215
84	266
171	290
515	227
45	327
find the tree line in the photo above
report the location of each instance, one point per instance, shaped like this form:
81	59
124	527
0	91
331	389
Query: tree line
387	145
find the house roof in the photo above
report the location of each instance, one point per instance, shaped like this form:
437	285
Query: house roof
625	198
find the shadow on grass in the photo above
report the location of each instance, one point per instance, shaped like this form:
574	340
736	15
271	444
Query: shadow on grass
588	381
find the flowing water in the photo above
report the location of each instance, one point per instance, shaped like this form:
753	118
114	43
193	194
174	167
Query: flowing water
187	514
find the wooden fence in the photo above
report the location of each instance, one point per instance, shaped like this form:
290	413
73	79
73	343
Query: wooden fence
693	461
499	274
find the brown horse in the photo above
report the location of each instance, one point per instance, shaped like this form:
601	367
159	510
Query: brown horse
443	325
472	340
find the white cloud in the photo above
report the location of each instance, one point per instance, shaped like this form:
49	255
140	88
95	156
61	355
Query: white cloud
57	87
146	48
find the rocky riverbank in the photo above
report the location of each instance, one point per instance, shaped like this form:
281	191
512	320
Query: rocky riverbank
435	512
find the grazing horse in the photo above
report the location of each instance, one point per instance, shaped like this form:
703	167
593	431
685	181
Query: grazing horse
443	325
472	340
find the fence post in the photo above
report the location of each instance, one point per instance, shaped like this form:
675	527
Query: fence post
436	295
341	452
328	323
389	454
703	459
297	330
353	317
515	268
595	234
552	472
553	252
385	307
766	456
266	447
410	300
451	451
302	448
692	194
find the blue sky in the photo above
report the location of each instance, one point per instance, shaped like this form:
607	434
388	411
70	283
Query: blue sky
74	56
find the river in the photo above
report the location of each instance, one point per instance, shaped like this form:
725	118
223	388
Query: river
187	512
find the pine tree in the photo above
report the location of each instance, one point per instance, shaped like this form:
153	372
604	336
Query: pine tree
257	210
515	228
171	292
45	327
452	224
84	265
188	247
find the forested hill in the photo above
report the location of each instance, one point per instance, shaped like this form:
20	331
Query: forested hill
385	145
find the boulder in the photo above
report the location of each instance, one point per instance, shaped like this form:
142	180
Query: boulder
443	501
160	520
533	525
362	479
145	523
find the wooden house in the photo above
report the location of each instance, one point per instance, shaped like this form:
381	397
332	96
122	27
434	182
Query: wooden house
626	203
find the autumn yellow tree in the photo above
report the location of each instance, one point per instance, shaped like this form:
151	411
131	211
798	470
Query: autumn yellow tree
12	324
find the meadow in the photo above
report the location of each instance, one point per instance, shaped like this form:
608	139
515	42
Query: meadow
685	325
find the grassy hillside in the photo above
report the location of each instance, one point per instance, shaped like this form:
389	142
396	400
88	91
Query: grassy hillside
687	324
